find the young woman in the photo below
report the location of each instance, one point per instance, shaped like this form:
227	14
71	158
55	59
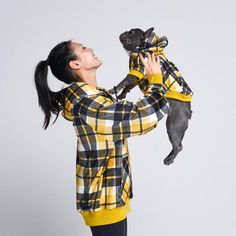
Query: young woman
102	126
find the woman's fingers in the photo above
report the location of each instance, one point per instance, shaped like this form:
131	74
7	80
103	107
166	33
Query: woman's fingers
152	64
153	57
149	57
142	59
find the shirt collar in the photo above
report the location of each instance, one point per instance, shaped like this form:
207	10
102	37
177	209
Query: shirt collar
151	44
82	88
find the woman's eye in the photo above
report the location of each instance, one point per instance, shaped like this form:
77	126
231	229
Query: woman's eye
84	47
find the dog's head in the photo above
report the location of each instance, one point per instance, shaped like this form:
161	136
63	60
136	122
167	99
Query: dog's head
134	38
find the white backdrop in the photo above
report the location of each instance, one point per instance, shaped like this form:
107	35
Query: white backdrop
195	195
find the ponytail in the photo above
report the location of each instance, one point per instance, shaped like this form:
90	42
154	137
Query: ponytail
49	101
58	60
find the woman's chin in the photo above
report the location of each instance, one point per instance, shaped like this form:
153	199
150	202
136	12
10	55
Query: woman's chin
99	62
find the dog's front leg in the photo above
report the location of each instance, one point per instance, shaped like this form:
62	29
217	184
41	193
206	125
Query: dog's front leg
128	81
127	90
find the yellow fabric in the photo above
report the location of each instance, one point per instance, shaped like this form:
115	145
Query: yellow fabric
136	73
155	78
179	96
106	216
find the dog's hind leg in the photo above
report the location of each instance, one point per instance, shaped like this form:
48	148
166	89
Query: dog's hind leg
177	124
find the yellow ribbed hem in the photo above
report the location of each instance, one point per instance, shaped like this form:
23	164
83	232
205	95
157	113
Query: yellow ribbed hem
136	73
155	78
106	216
179	96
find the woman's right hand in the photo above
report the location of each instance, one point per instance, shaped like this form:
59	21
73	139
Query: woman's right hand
152	65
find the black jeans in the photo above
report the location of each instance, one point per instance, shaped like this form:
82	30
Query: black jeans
116	229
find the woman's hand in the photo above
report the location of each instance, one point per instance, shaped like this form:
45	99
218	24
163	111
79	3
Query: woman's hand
152	65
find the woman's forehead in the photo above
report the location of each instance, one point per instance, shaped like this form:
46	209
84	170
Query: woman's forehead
77	45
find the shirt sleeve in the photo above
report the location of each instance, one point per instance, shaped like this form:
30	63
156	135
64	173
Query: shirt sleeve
123	119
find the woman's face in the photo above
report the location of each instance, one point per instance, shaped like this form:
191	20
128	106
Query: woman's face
86	58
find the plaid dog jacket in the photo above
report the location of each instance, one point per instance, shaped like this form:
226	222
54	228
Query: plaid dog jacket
176	86
102	125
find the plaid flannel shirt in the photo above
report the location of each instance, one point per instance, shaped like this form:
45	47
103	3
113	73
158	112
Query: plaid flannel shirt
103	172
176	86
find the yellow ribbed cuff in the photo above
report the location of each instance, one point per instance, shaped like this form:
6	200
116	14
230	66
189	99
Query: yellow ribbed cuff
136	73
155	78
179	96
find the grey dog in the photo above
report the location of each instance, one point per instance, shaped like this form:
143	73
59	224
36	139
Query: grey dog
180	112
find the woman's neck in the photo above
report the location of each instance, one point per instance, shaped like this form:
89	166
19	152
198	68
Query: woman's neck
89	77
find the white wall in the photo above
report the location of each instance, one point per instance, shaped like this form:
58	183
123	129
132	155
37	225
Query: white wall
195	195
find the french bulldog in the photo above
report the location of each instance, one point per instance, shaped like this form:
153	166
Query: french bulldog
178	93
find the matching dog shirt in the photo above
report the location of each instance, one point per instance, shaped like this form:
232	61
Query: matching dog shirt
176	86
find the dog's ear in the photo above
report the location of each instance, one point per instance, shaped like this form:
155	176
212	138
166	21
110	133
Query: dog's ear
148	33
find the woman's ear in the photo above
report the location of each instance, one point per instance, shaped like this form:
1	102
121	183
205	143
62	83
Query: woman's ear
74	64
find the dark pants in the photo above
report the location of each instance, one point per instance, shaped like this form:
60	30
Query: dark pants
116	229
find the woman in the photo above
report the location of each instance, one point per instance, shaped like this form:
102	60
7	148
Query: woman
102	124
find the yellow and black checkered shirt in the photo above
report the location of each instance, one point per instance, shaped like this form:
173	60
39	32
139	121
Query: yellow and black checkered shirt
102	124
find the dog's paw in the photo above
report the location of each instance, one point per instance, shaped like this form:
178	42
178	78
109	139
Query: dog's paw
168	161
111	91
121	96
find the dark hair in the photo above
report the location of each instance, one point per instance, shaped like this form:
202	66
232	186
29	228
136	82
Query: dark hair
58	60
